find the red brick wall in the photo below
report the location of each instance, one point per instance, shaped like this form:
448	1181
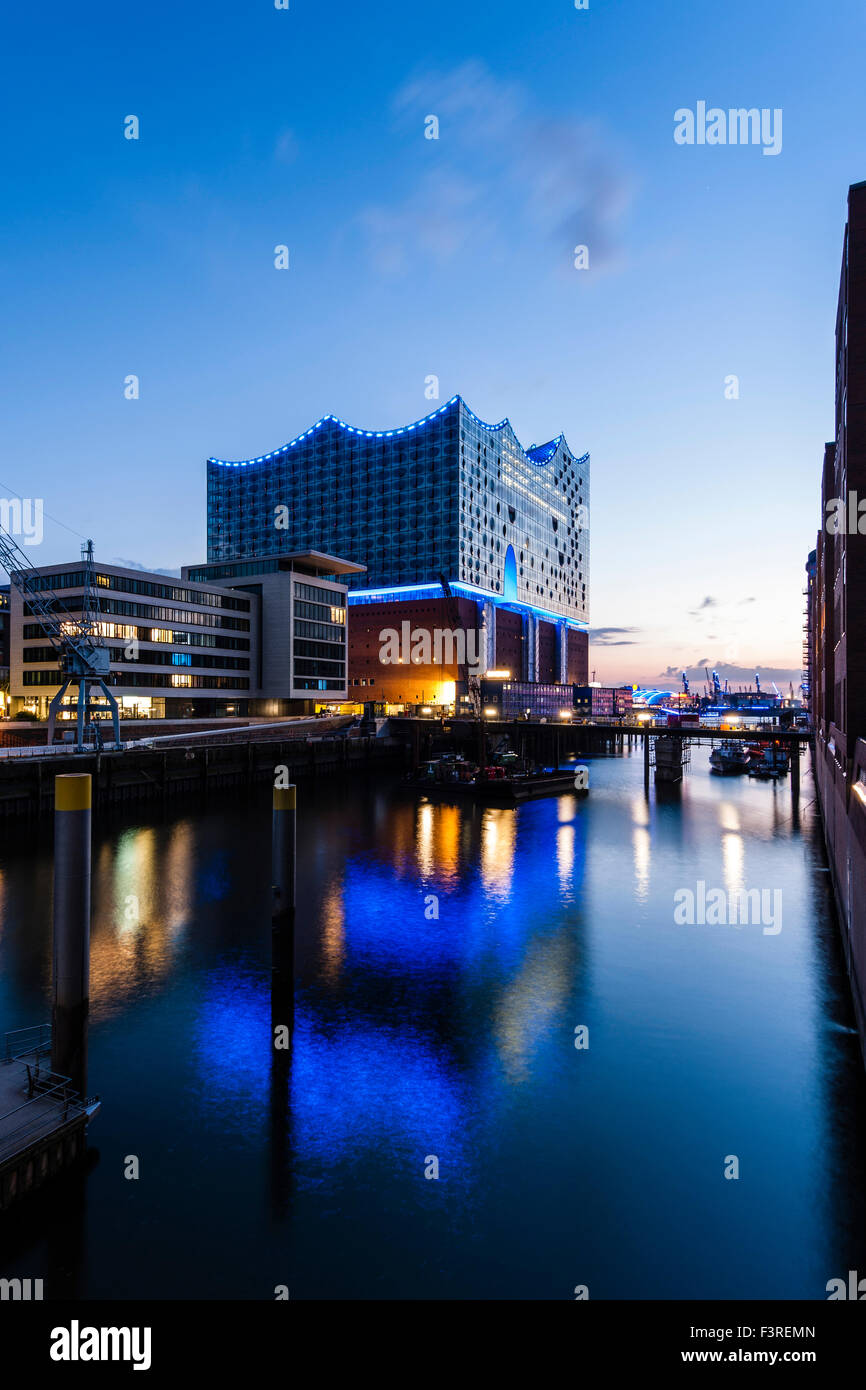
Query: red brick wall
578	658
548	669
509	642
399	684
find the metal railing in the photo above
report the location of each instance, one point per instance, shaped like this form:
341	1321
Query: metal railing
228	735
21	1042
37	750
51	1103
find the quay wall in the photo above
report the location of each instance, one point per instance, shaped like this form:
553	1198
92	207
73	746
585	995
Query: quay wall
842	803
162	774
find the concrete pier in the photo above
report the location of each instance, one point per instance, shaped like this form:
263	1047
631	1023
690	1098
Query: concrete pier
42	1120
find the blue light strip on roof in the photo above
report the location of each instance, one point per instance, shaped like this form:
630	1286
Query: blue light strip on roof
359	594
390	434
409	591
500	602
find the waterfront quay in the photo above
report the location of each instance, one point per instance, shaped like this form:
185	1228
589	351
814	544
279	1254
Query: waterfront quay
555	739
188	766
201	762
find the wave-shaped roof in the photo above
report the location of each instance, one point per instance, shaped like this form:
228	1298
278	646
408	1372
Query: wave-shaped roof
539	454
543	453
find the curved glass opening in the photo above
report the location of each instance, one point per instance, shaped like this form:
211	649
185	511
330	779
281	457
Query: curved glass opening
509	587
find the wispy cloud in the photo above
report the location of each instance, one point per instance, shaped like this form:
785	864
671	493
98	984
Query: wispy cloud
148	569
504	173
735	675
286	147
613	636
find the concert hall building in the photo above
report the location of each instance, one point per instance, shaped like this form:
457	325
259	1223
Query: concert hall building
448	497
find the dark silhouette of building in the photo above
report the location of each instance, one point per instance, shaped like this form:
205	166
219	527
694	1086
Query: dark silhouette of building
836	590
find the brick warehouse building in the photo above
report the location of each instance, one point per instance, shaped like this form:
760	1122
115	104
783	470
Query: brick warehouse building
419	684
447	497
836	595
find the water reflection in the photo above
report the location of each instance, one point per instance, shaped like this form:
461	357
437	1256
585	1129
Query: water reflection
532	1004
144	889
443	956
498	843
565	859
333	930
733	859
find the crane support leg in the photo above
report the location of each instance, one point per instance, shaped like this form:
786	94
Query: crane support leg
86	687
81	716
115	721
54	707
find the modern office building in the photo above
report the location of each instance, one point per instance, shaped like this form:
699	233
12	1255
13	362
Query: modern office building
448	497
603	701
836	639
274	644
506	699
302	638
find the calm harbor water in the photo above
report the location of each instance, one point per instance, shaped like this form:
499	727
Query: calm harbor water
453	1036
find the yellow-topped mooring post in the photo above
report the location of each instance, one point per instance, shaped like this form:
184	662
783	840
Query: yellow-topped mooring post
71	952
283	851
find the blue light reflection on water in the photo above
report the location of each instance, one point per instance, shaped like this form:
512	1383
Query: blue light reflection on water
416	1035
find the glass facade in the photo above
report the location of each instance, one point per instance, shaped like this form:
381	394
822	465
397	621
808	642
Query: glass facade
449	495
319	639
509	699
210	650
75	579
124	608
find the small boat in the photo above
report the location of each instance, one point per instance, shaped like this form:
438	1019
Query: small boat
729	759
772	763
454	776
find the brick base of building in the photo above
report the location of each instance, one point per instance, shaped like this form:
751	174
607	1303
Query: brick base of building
843	812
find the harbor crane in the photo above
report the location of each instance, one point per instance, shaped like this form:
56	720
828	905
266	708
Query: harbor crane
84	659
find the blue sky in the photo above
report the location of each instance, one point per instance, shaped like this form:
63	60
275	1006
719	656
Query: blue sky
454	257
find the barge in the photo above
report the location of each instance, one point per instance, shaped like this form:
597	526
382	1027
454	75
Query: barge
506	782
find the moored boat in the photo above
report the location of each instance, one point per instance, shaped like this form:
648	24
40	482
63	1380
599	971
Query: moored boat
772	762
729	759
452	776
